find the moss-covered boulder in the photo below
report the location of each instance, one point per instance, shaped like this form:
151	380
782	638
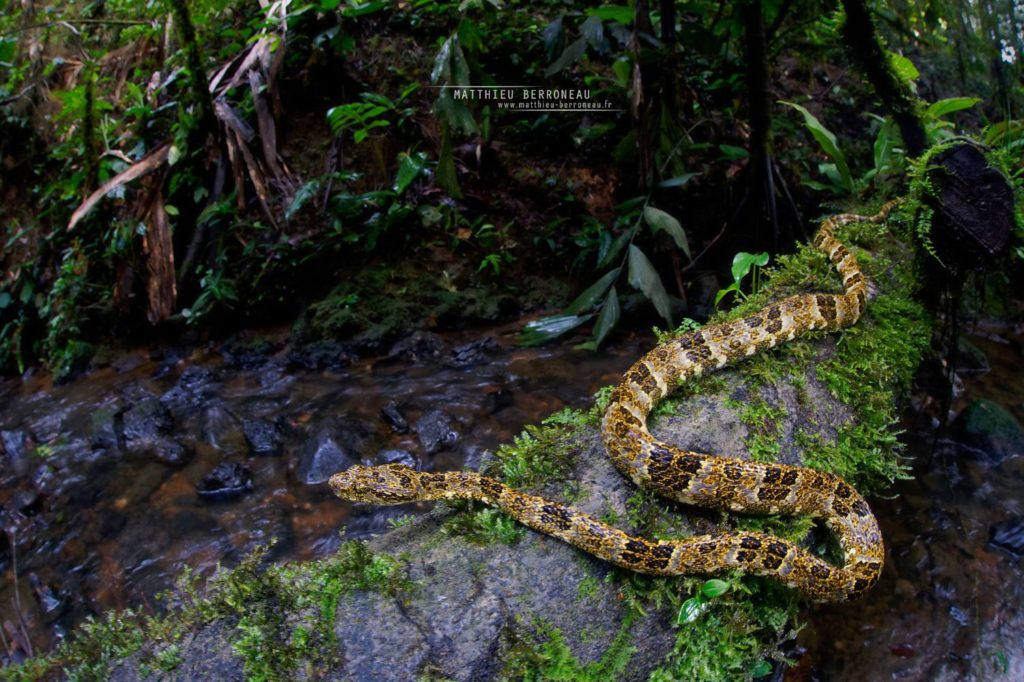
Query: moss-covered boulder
465	593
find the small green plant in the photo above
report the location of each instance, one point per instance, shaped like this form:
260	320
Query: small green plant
837	172
743	264
218	289
694	607
375	111
601	299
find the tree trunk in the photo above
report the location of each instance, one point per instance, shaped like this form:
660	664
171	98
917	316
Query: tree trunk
863	41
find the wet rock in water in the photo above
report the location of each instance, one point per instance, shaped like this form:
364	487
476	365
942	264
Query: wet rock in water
76	358
146	420
223	430
27	502
418	346
169	451
397	456
970	359
474	353
194	387
264	436
108	428
496	401
1008	535
394	417
247	353
17	444
225	481
323	355
333	449
45	594
990	427
435	431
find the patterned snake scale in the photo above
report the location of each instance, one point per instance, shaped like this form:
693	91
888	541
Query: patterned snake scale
691	477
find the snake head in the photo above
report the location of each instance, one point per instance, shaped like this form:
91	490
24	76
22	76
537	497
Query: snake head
387	484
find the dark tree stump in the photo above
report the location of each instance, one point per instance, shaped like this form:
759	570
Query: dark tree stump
973	204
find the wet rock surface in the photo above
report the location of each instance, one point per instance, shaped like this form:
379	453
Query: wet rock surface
436	431
264	436
990	428
949	605
226	481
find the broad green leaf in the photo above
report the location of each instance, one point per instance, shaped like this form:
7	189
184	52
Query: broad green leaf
622	68
5	299
610	251
677	181
570	55
460	67
828	143
442	71
173	155
722	293
659	220
408	170
619	13
644	277
742	262
446	177
732	153
884	143
608	318
904	68
948	106
760	669
593	30
8	46
548	328
589	298
691	610
554	38
307	191
714	588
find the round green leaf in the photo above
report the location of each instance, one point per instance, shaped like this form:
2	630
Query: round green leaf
714	588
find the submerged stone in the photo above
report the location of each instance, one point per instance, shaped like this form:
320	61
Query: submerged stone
194	387
225	481
418	346
436	432
329	451
263	436
146	420
108	428
990	427
397	456
1009	535
394	417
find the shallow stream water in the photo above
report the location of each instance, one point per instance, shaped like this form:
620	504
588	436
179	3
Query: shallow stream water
93	522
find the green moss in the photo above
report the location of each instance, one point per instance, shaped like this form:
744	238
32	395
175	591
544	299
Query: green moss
733	638
283	617
540	654
482	525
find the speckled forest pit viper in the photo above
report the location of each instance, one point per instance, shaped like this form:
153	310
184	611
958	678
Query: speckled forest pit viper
694	478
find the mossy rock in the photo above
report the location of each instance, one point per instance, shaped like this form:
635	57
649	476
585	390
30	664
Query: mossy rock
991	428
465	593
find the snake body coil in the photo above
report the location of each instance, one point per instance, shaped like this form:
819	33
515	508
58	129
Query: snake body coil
692	477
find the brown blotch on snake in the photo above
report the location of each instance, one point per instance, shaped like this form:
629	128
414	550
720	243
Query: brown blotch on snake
743	485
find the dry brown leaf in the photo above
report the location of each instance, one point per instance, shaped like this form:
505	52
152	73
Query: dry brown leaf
143	166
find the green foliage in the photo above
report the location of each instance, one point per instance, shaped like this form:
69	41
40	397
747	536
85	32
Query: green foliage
601	299
743	264
541	654
483	525
838	172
